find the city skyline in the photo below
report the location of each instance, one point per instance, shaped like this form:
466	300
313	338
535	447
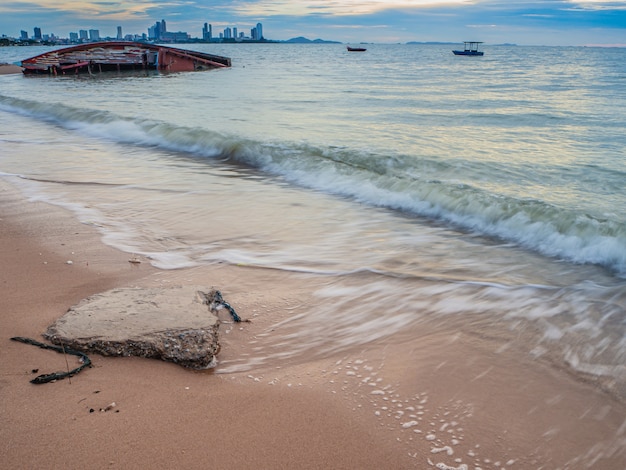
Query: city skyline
557	22
158	32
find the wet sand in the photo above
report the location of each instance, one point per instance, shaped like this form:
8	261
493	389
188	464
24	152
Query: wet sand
446	399
164	416
6	69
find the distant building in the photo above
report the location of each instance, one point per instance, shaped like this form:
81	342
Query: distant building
179	36
207	32
157	31
37	35
74	37
257	33
119	33
228	33
94	35
83	35
23	35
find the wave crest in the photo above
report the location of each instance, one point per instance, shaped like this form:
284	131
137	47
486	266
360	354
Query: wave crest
416	185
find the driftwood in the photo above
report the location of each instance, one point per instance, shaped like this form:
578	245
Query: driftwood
215	301
45	378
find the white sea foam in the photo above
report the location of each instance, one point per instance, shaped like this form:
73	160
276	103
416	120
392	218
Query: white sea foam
447	449
443	466
532	223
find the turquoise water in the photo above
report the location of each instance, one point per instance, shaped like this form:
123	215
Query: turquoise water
466	186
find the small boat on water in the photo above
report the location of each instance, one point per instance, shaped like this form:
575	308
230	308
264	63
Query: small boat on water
471	48
120	55
356	49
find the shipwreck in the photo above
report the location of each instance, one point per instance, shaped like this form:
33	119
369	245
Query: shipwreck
118	56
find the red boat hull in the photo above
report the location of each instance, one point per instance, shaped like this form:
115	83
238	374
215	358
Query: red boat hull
117	56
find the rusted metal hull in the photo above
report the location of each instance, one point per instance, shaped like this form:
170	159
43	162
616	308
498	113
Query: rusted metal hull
117	56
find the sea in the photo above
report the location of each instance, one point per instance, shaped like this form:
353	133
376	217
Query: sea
487	192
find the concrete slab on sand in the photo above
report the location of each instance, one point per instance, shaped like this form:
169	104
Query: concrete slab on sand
177	324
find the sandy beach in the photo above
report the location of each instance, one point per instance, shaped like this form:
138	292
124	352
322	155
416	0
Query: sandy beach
6	69
165	416
490	410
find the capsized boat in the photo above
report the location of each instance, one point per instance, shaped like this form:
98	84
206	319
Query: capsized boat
471	48
120	55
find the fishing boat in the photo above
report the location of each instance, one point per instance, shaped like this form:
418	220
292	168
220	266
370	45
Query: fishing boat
356	49
120	55
471	48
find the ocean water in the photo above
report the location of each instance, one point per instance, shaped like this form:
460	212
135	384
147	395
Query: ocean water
488	192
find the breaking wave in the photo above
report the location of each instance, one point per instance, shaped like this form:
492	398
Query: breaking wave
414	185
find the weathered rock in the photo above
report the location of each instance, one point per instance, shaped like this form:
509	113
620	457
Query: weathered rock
172	324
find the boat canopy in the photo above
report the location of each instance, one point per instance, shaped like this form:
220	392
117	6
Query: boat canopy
471	45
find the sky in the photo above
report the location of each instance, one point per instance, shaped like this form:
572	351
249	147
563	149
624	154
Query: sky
549	22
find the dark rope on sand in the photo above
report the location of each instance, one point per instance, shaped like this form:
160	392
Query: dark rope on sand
45	378
220	300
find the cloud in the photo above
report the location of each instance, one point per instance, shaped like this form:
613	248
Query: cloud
300	8
79	8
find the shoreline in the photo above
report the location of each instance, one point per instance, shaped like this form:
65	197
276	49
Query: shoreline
164	415
6	69
320	414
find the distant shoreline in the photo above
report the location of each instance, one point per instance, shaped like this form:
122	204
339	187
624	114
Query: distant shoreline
297	40
6	69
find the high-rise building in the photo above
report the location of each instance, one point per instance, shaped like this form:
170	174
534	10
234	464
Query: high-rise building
119	33
74	37
94	35
207	32
23	34
156	31
37	32
84	36
257	33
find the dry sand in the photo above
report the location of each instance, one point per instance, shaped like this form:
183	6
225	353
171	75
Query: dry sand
488	410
